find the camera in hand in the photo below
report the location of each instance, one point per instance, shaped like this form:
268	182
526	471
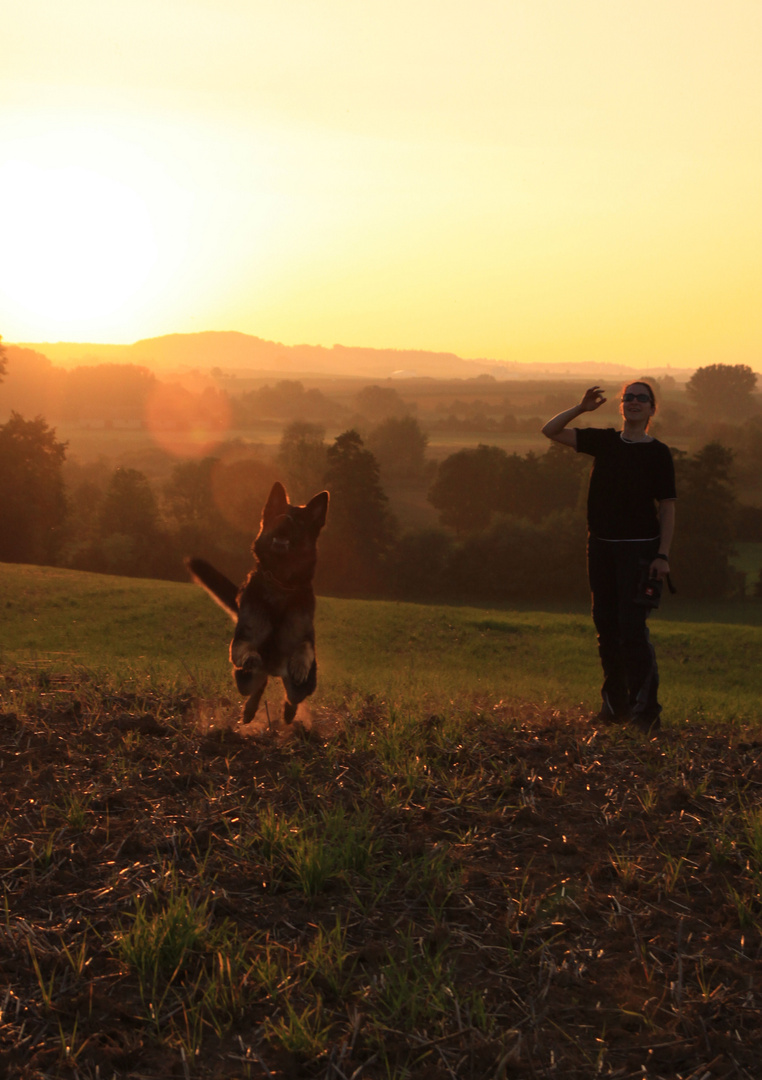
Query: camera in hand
648	594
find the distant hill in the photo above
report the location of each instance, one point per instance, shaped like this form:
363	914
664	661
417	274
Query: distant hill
233	351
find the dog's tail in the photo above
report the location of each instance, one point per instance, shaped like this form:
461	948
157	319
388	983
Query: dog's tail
221	589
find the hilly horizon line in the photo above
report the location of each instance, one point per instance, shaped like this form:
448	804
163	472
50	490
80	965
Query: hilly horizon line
236	350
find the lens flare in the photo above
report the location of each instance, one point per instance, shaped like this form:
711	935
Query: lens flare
188	423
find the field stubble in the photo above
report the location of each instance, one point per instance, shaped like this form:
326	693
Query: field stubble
445	871
500	891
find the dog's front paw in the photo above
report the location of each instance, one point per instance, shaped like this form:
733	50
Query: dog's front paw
249	674
300	663
244	679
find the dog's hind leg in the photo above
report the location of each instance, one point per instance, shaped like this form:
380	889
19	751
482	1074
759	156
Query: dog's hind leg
296	692
251	706
301	663
251	679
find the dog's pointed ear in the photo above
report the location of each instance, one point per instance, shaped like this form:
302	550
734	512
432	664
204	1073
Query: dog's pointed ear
317	508
277	502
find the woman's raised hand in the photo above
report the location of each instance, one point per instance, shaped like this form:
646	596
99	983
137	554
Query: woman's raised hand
593	399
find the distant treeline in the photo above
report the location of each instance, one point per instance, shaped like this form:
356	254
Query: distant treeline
511	527
124	394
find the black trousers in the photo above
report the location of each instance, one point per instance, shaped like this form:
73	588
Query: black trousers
630	675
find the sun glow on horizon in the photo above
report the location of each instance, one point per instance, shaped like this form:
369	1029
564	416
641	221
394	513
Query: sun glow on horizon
78	244
92	232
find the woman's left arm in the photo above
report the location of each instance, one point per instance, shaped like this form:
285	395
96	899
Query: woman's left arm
660	567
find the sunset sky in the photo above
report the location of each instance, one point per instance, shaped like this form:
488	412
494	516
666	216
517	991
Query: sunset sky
515	179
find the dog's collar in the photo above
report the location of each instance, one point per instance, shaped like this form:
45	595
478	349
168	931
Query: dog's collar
271	579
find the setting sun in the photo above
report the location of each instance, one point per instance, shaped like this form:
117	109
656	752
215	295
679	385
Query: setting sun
77	244
94	229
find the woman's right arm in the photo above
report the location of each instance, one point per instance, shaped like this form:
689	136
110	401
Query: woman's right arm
556	429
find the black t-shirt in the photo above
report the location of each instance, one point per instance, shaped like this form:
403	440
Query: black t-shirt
626	482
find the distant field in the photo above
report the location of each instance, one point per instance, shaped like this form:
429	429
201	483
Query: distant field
443	443
88	444
410	656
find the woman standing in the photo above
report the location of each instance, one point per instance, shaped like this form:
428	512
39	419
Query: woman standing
631	522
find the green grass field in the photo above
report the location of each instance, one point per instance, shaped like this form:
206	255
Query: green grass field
445	872
413	657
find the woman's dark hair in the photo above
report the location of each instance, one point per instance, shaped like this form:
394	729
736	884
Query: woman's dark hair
641	382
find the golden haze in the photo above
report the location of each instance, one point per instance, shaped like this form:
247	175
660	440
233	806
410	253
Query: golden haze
528	181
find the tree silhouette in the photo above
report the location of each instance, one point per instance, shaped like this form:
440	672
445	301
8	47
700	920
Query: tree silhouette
189	506
467	489
723	390
130	538
31	490
129	505
287	400
379	402
519	559
560	482
399	445
30	384
419	564
474	485
302	455
360	526
108	392
3	361
706	522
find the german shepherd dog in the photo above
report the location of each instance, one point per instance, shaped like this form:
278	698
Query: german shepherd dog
275	607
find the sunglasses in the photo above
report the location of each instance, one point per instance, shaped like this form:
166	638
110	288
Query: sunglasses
642	398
